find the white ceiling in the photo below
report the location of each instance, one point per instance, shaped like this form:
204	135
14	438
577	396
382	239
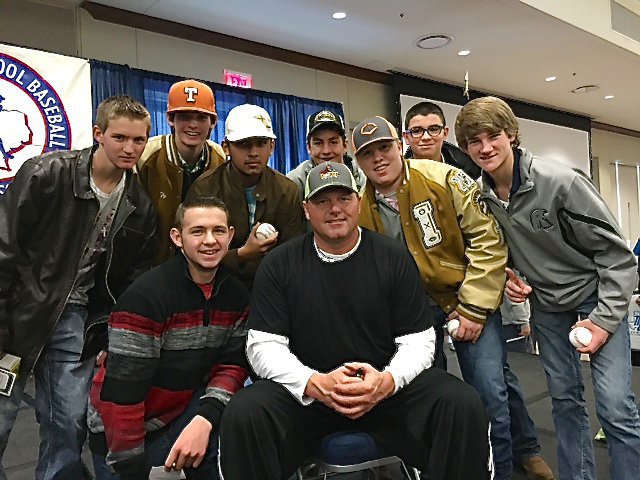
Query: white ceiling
514	46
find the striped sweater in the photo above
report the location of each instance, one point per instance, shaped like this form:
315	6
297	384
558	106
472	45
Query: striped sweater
166	339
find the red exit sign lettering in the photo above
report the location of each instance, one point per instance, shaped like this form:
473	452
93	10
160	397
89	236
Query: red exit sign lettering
237	79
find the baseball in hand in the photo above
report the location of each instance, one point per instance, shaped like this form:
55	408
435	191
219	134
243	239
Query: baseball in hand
452	327
265	230
580	337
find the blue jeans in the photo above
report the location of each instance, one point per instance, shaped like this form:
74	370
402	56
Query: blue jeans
8	413
62	388
524	437
615	407
158	445
484	366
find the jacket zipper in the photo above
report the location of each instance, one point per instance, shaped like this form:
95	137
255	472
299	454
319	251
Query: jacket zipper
69	290
110	251
205	319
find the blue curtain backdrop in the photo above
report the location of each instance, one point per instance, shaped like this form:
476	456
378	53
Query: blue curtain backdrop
288	113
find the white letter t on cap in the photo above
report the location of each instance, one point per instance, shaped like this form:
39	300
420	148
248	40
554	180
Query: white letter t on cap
191	93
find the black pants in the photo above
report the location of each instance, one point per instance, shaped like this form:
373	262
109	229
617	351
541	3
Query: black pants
437	421
440	320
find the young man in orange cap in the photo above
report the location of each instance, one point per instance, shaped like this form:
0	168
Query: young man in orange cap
171	163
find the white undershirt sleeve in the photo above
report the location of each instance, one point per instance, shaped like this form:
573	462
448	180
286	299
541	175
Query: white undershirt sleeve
415	353
271	358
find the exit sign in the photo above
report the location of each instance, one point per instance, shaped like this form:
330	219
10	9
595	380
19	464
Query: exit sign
237	79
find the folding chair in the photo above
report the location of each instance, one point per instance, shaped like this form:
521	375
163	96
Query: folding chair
347	452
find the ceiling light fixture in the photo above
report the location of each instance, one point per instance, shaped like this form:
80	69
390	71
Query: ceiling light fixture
464	53
430	42
549	79
609	97
339	15
586	89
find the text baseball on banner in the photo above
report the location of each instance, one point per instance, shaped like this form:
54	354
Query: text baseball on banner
45	105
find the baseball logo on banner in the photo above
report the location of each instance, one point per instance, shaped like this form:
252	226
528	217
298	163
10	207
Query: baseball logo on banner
45	105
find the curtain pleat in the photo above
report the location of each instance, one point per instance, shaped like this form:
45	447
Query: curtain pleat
288	112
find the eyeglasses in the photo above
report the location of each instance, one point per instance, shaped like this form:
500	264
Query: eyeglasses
432	130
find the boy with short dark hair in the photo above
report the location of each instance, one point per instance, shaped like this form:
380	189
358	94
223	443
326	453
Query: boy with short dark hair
326	142
425	131
253	192
176	356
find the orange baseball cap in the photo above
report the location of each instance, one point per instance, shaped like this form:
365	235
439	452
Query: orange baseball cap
191	95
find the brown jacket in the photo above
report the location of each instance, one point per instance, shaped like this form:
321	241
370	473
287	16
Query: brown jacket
160	174
278	203
453	238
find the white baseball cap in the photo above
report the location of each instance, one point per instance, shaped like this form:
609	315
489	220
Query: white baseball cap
247	121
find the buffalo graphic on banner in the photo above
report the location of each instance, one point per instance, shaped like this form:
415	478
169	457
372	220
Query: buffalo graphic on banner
45	105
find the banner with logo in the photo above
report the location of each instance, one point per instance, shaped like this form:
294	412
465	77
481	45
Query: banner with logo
45	105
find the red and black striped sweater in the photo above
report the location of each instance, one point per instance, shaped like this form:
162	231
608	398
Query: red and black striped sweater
166	339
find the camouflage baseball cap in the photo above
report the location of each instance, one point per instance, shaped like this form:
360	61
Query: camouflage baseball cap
326	175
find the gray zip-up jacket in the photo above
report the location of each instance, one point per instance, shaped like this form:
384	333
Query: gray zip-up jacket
564	240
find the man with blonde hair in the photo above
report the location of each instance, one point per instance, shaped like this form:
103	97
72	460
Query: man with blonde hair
425	132
579	273
75	230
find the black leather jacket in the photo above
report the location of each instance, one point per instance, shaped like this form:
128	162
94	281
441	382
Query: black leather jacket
46	215
455	157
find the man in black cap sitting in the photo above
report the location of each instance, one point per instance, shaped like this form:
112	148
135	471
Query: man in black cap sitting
341	335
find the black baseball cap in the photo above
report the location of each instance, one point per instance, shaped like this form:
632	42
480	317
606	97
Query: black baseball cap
325	118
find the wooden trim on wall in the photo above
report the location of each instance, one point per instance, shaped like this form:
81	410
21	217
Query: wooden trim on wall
228	42
207	37
613	129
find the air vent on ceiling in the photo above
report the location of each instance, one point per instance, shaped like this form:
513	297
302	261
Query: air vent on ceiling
430	42
586	89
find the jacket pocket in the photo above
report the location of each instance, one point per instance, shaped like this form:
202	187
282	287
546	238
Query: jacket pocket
455	266
95	337
127	231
